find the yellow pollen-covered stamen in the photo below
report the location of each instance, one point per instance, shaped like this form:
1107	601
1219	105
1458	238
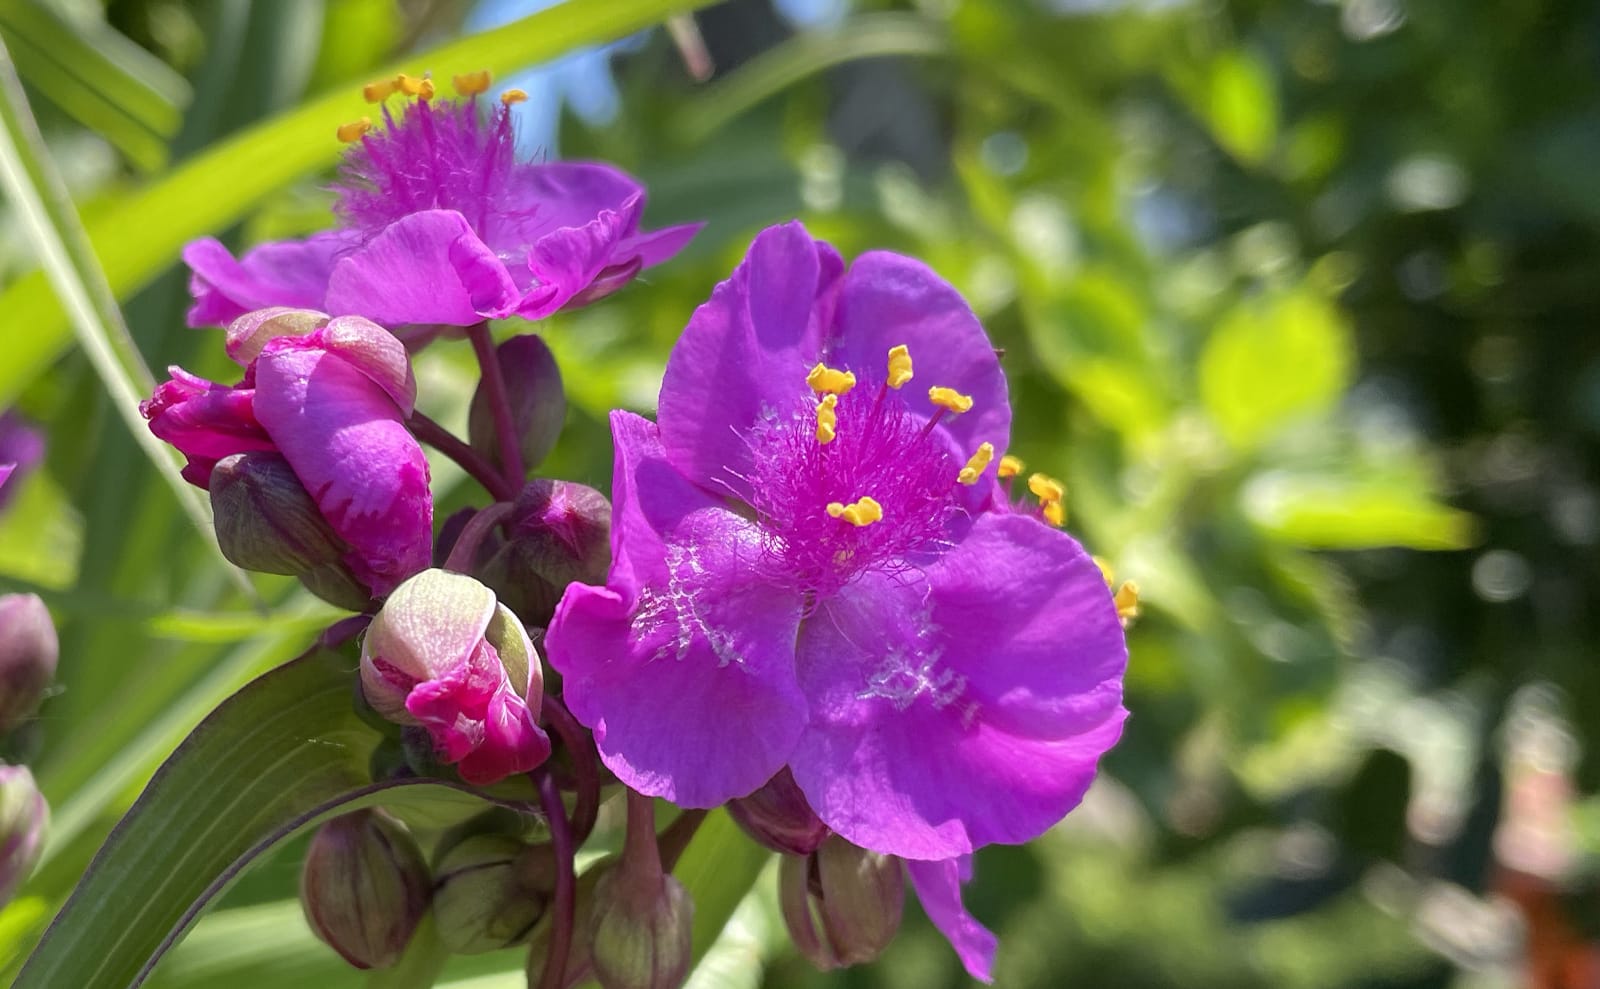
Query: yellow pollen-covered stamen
863	511
471	83
827	419
1046	488
377	92
353	131
823	378
949	398
1010	466
1055	512
406	85
976	466
512	96
899	366
1127	601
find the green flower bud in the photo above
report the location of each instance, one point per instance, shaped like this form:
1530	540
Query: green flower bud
557	533
538	402
364	887
639	933
266	521
23	817
481	900
841	903
28	653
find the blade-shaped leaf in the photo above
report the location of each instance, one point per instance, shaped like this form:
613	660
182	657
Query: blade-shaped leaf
283	753
218	187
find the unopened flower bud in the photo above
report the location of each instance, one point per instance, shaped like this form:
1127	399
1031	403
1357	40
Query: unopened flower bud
640	935
841	903
28	653
364	887
266	521
23	817
538	401
445	655
248	334
778	817
558	532
481	901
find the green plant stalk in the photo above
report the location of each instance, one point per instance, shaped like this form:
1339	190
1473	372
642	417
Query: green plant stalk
42	201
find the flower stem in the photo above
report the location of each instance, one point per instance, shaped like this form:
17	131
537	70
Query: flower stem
563	906
450	445
494	387
472	536
584	767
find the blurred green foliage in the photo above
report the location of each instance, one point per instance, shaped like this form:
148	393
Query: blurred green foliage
1289	293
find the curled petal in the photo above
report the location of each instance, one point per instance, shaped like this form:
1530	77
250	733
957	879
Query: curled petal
938	886
965	705
205	421
684	617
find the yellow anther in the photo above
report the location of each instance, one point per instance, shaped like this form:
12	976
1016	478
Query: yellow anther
1046	488
899	366
975	467
512	96
949	398
1127	601
1055	512
1010	466
863	511
353	130
827	419
377	92
425	89
471	83
407	85
823	378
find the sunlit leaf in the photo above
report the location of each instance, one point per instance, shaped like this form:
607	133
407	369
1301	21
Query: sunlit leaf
1337	512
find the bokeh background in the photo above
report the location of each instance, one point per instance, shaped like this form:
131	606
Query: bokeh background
1299	297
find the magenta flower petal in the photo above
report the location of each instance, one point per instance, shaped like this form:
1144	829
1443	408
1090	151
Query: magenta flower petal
887	300
966	706
5	472
344	437
938	886
745	353
282	273
566	261
427	267
205	421
684	666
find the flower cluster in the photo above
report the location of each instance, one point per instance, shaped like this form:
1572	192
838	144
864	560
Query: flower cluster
813	599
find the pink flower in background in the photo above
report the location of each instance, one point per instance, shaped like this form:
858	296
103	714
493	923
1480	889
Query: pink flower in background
805	561
332	398
439	223
21	450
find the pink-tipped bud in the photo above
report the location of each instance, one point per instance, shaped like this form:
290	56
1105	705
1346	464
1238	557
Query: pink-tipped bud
267	521
778	817
444	654
248	334
23	818
489	891
537	397
841	903
28	653
558	532
364	887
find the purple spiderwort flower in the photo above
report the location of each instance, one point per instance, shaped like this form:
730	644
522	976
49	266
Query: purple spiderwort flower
440	223
332	397
444	654
822	582
21	450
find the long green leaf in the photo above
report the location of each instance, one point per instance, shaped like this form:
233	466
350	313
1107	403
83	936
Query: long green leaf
718	868
218	187
282	754
40	198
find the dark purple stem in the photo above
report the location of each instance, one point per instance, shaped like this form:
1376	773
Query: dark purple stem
677	835
450	445
472	536
585	767
563	907
494	389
